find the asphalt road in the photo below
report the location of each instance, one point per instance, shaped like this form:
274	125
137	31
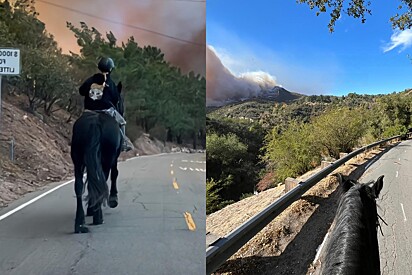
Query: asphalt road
395	207
158	227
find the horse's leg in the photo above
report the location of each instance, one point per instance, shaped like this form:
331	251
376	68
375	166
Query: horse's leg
113	200
79	224
90	211
98	214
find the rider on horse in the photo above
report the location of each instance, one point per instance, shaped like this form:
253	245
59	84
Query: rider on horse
101	94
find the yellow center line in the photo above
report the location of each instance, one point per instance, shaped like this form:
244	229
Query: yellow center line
189	221
175	186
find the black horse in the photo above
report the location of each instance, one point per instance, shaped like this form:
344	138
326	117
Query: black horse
352	247
96	146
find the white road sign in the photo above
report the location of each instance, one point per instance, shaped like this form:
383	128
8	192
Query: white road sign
9	61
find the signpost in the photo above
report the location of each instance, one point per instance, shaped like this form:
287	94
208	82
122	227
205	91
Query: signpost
9	65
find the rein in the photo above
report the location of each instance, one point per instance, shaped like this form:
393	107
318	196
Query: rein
378	223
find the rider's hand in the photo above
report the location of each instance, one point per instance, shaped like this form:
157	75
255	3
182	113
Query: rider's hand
97	86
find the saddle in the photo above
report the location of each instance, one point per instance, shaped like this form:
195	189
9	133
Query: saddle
110	112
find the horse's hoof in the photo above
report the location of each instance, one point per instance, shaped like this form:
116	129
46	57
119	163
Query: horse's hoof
113	202
81	229
98	222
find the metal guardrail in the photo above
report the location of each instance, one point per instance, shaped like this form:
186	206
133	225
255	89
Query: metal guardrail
221	250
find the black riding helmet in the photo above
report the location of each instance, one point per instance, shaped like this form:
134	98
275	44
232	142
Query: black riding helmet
106	65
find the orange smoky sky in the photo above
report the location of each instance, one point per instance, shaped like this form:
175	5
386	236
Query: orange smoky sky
181	19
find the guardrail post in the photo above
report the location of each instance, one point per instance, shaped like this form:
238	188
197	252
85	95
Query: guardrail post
11	153
290	183
341	155
325	163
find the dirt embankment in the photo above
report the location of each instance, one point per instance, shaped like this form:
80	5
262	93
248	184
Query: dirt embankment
41	150
288	244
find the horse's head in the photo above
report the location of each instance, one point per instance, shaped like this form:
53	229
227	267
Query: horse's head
372	188
352	246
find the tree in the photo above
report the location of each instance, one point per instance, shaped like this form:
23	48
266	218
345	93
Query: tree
213	199
292	152
228	165
340	130
391	115
45	76
359	9
157	95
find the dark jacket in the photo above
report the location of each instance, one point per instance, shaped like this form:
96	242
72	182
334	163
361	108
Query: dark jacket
110	96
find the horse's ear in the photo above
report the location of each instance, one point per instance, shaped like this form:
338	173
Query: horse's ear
344	181
377	186
119	87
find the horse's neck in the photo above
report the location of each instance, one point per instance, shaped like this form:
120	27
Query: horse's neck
352	244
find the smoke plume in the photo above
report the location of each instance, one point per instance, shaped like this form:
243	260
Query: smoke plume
180	19
222	85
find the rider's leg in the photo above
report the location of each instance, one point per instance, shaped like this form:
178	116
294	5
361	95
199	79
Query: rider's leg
127	144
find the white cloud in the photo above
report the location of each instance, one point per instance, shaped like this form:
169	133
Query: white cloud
399	39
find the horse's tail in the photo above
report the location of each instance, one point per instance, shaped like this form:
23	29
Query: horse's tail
97	188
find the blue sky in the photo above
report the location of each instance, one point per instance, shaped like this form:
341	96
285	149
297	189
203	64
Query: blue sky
288	41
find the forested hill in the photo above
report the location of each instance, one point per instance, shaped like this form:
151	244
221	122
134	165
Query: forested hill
276	94
270	112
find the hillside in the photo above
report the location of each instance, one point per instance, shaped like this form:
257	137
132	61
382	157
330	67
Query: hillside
278	94
42	150
271	110
265	97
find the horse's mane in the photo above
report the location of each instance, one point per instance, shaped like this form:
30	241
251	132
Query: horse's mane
352	247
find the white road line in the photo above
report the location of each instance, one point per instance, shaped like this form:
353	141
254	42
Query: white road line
33	200
320	248
197	169
183	168
403	211
146	156
202	170
191	169
397	173
184	160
